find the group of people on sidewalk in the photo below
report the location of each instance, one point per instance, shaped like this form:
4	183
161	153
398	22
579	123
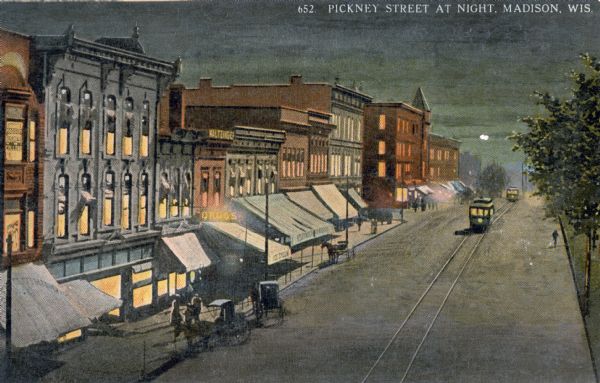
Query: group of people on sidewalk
191	314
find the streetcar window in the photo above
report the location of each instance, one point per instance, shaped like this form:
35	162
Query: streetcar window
473	211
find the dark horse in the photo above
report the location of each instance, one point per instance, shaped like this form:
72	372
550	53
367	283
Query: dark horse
332	252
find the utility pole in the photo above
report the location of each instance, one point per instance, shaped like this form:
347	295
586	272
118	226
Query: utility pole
8	339
266	227
347	196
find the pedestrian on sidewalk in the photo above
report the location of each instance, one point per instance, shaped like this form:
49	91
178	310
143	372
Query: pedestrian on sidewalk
359	222
423	204
555	237
175	319
195	306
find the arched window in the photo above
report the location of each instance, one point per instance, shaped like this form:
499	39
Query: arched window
126	202
65	120
86	200
111	125
186	195
175	193
259	180
109	198
62	206
128	128
143	201
85	139
145	130
165	188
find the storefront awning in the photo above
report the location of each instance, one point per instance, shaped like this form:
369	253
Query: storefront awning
309	201
188	250
354	196
287	217
90	301
41	311
333	199
277	251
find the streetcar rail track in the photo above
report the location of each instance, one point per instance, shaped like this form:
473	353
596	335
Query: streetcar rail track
501	211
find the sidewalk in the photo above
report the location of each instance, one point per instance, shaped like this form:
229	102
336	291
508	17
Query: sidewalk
145	346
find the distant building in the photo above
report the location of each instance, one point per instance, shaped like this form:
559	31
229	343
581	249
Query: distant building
444	154
395	150
99	177
469	168
22	151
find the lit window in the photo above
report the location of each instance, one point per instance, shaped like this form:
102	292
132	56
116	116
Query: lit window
85	144
128	139
86	198
13	137
30	228
217	189
12	227
62	206
204	189
165	187
381	149
143	202
111	125
109	196
32	151
381	169
144	137
126	203
381	121
175	194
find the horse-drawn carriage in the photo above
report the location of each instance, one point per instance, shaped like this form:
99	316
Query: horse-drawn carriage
267	302
227	328
334	250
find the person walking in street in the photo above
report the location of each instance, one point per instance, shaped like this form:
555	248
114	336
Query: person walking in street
555	237
175	319
196	307
359	222
423	204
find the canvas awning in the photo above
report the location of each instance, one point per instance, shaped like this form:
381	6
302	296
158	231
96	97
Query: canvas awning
41	311
309	201
90	301
277	251
354	196
188	250
287	217
334	200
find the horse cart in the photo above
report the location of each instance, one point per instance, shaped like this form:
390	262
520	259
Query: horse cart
228	328
268	307
334	250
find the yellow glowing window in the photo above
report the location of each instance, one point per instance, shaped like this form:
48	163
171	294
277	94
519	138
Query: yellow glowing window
69	336
141	276
127	145
181	281
125	218
84	221
162	287
30	228
12	226
473	211
110	143
144	146
13	137
32	141
63	140
162	208
172	278
381	149
110	286
142	211
61	225
85	144
381	121
186	207
142	296
107	212
174	208
381	169
192	276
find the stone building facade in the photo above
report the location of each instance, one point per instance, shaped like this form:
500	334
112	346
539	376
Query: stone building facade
444	157
101	105
21	149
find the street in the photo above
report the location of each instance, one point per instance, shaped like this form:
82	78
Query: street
512	315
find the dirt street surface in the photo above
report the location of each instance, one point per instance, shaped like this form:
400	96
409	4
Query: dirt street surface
512	316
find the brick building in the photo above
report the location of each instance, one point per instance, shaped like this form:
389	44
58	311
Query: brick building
22	150
444	157
395	150
344	129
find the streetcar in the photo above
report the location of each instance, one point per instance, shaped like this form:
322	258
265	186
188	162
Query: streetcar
481	211
512	194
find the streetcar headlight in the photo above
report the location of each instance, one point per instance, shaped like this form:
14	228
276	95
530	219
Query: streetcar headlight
479	220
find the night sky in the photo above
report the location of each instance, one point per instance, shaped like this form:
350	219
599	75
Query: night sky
477	71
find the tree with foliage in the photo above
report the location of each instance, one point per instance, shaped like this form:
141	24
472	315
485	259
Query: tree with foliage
492	180
563	148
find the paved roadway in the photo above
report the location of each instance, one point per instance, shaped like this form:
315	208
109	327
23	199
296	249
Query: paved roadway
512	316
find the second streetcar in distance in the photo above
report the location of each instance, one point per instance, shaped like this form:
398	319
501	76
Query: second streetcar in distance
481	211
512	194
